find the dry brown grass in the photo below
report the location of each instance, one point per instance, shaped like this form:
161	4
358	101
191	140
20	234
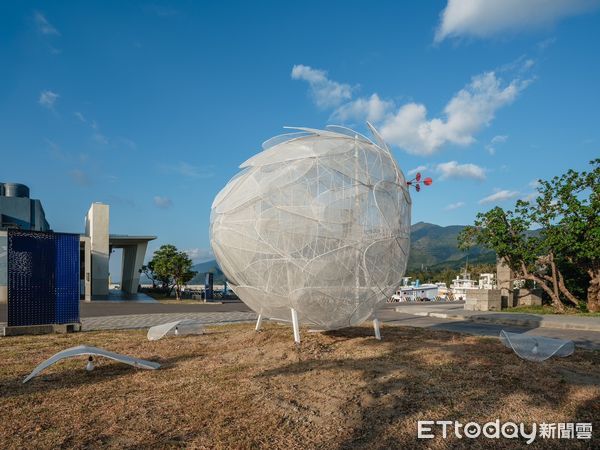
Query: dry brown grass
234	388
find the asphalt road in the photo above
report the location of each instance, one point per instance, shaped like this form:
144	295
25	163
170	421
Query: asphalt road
124	308
582	338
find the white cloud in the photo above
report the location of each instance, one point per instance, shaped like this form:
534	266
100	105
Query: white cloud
499	139
453	206
452	169
200	254
485	18
325	92
499	196
48	98
534	184
372	109
491	147
43	25
80	116
163	202
528	64
416	170
409	128
471	109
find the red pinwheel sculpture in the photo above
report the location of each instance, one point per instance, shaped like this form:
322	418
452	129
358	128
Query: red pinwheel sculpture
416	182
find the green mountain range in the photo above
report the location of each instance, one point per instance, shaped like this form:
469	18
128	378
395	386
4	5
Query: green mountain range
436	247
432	246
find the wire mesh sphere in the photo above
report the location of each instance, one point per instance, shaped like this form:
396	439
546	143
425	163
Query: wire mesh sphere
320	222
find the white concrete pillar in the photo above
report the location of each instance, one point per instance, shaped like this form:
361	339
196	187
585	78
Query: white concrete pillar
86	283
132	261
96	227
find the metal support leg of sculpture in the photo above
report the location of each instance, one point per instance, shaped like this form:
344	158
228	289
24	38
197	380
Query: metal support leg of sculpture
296	326
376	324
258	322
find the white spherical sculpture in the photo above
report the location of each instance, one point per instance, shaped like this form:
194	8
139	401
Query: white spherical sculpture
319	223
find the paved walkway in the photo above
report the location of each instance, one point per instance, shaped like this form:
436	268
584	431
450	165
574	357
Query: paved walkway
457	312
107	308
133	321
581	338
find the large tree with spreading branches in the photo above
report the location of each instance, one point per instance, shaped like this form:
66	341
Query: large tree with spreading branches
566	212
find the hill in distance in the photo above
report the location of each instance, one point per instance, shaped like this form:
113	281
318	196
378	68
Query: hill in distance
207	267
436	247
431	246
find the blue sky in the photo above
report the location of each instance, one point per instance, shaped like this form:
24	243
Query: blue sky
151	107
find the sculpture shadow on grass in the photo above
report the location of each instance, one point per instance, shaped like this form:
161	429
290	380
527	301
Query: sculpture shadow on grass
433	379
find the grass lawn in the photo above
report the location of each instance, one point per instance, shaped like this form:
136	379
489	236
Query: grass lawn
547	309
234	388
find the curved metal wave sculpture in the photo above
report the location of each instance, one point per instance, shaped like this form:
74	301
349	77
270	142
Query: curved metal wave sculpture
536	348
316	228
177	328
81	350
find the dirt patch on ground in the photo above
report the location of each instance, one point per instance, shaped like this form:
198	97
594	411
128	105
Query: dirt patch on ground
234	388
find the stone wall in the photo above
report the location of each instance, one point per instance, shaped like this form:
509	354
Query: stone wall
527	297
483	300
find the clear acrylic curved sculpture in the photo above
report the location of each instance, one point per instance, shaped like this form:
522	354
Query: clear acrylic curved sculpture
81	350
536	348
315	229
177	328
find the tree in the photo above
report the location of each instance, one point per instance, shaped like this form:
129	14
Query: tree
172	267
567	209
505	232
574	199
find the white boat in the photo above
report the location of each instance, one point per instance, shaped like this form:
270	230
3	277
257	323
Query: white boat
487	281
462	285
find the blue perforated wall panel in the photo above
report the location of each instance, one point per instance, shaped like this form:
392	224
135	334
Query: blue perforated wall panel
66	280
43	278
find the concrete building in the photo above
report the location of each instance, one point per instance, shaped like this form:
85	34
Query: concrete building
17	210
101	245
